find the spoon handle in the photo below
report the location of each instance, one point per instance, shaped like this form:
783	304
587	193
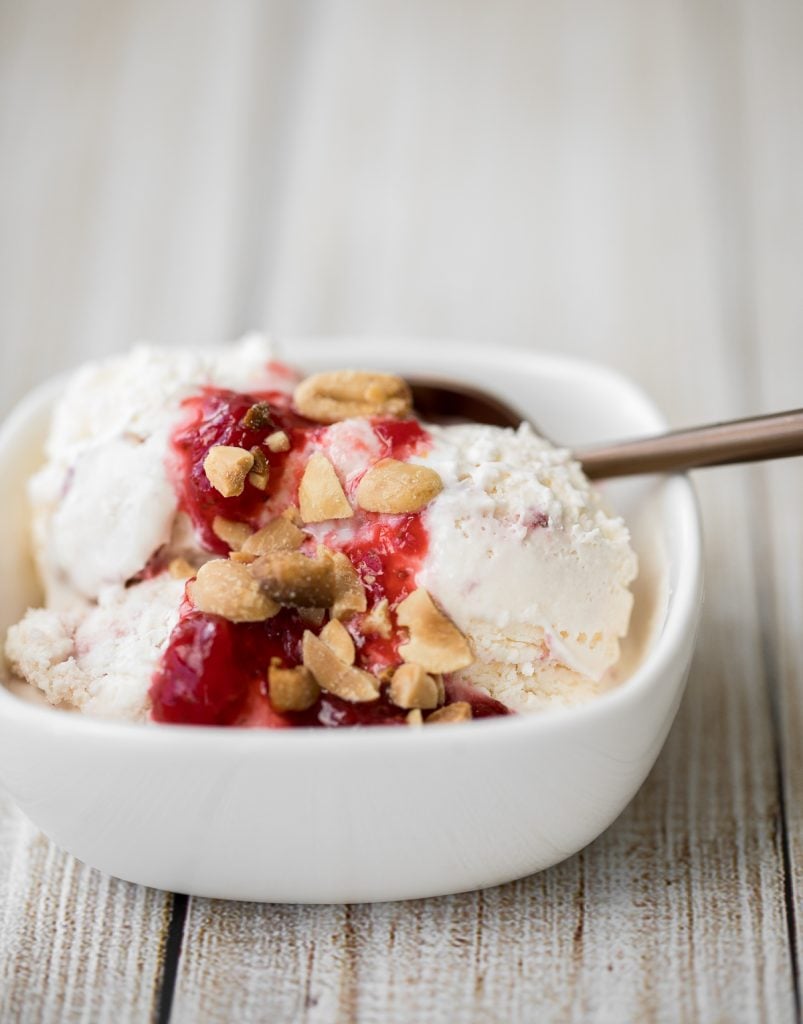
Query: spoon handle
749	440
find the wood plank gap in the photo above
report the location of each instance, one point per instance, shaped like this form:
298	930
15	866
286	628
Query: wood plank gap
175	937
765	594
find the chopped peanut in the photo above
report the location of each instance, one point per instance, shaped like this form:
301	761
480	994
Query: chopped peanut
260	474
334	675
396	487
377	621
435	642
460	711
415	717
335	634
180	569
411	687
257	417
234	534
342	394
312	616
294	579
278	441
320	494
228	589
292	689
227	467
279	535
349	592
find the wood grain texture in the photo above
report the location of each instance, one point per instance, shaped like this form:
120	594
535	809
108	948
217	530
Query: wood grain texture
75	945
617	181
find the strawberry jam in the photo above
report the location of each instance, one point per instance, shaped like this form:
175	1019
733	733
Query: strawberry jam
215	672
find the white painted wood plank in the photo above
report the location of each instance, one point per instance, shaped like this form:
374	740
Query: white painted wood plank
134	151
75	945
776	221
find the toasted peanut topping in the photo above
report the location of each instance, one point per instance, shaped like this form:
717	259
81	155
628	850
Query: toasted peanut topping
336	636
320	495
294	516
279	535
460	711
226	468
395	487
292	689
291	578
258	417
415	717
312	616
377	621
180	569
227	588
260	474
411	687
234	534
334	675
278	441
242	557
435	642
349	592
341	394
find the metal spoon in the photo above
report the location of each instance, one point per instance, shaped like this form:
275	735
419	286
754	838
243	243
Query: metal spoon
776	436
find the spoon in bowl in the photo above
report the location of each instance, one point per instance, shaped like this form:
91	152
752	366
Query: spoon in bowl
775	436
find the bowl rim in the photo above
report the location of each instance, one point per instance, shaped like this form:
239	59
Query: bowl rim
683	602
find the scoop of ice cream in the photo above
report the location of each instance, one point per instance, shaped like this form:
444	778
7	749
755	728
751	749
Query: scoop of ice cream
104	502
98	658
527	562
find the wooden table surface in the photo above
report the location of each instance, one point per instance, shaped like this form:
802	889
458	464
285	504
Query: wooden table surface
622	181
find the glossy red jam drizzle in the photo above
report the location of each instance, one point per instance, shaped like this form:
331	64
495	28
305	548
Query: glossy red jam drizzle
214	672
216	417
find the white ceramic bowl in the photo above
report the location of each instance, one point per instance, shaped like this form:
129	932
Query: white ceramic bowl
335	816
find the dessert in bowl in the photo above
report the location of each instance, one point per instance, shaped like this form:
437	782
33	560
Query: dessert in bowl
230	546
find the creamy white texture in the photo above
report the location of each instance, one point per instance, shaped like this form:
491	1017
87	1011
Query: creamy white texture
99	658
527	562
104	503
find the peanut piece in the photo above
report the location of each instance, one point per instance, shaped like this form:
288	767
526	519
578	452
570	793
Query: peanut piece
293	579
349	592
232	533
226	468
336	636
342	394
312	616
320	495
396	487
279	535
258	417
334	675
411	687
292	689
435	642
415	717
260	474
460	711
228	589
278	441
180	569
377	621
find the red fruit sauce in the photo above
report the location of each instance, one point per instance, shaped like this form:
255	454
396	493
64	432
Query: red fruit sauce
214	672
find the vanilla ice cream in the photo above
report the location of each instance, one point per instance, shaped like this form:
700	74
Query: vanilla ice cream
476	559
